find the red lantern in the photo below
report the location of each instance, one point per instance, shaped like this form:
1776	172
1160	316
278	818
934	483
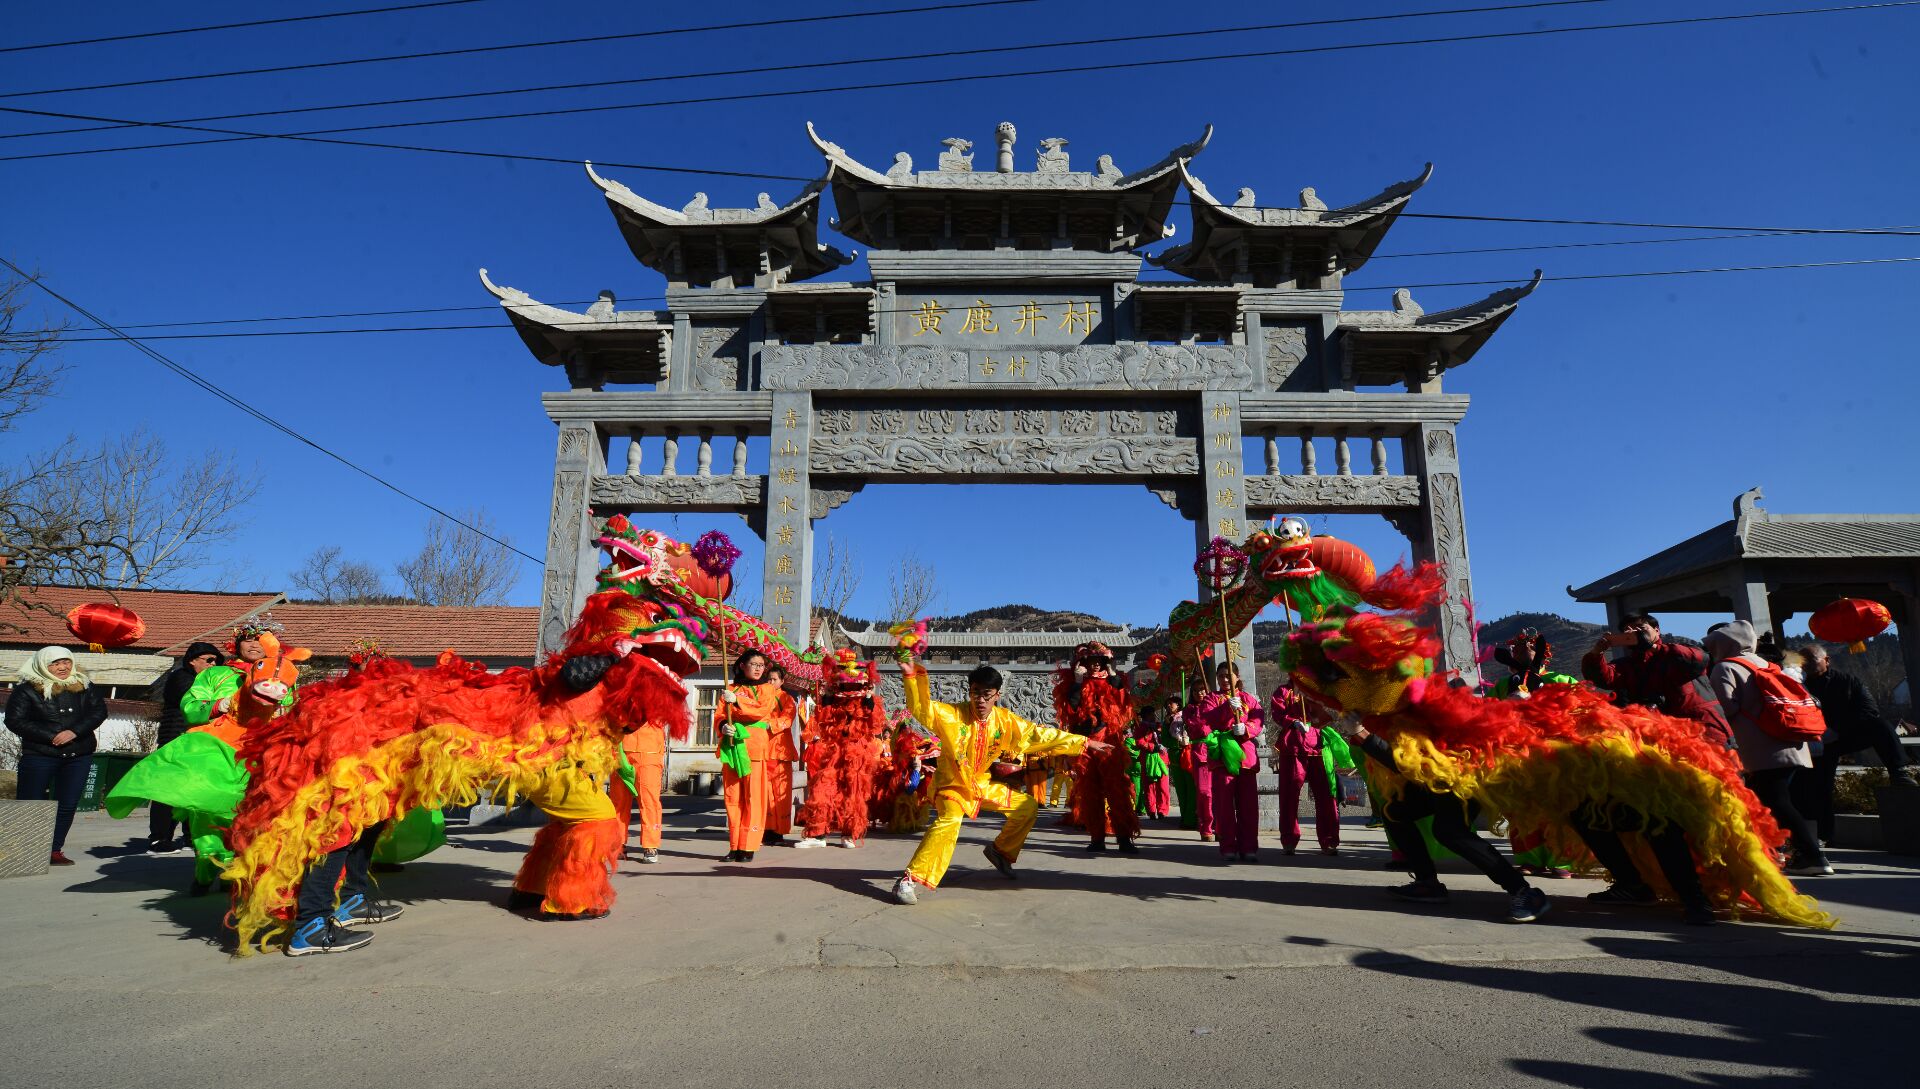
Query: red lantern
1345	563
100	625
1850	620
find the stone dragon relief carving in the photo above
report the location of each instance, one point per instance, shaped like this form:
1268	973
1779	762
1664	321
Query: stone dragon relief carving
1450	549
566	537
1086	366
1288	493
667	493
1045	455
715	368
1286	347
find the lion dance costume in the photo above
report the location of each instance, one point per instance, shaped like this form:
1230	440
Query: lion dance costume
1536	762
363	748
842	754
1093	706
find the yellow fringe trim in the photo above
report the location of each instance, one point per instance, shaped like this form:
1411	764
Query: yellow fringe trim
439	766
1544	791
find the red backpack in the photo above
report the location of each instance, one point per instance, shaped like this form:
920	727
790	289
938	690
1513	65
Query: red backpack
1787	711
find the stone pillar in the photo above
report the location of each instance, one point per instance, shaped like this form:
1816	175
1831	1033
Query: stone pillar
1442	538
1749	594
1224	508
788	588
571	557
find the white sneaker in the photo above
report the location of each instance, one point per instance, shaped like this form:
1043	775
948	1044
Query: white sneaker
1811	869
810	841
850	843
904	892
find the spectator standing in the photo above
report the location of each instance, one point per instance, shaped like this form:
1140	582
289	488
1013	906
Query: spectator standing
1854	722
55	709
173	687
1655	673
1769	762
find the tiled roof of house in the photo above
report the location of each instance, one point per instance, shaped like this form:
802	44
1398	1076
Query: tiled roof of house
174	618
413	631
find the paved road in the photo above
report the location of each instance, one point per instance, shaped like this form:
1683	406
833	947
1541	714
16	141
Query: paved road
1167	969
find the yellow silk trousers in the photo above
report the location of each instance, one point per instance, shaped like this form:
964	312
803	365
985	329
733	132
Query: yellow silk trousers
930	862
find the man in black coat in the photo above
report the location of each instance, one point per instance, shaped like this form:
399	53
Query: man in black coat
1854	723
172	688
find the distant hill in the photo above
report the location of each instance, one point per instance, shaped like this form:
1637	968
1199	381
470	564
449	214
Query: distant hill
1569	638
1021	618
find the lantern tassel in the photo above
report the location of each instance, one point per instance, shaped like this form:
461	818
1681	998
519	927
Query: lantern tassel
1856	648
98	649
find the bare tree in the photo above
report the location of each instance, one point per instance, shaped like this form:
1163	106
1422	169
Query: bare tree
28	370
836	577
457	566
131	517
911	588
330	580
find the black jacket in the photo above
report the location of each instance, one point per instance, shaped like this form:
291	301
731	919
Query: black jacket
37	718
172	688
1849	708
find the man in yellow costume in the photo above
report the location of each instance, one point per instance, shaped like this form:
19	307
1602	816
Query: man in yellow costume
972	739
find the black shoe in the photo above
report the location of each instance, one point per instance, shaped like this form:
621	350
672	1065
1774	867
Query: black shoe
735	856
1422	892
574	917
1127	847
1001	863
1095	846
771	839
1699	913
521	901
199	888
746	856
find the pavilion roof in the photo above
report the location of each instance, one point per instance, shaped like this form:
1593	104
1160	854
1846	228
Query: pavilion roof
1084	200
1222	233
679	244
615	345
1755	534
1383	343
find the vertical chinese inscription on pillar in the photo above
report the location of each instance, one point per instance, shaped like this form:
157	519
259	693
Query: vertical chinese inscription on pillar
1225	491
789	561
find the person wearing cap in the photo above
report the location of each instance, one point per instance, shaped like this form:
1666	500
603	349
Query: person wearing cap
973	737
173	687
1769	763
55	709
213	691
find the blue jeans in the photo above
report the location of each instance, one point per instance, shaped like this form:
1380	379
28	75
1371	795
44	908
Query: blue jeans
65	777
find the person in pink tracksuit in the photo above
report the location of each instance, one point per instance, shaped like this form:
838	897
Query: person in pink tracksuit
1295	745
1233	718
1197	731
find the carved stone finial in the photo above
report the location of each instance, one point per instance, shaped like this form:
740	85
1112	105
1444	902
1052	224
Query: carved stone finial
958	158
1311	201
765	204
1004	137
1104	167
1244	198
695	206
1405	307
602	308
902	167
1747	503
1052	159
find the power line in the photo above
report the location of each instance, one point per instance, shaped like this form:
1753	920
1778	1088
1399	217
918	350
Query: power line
154	354
1004	306
850	62
236	26
327	135
494	306
505	47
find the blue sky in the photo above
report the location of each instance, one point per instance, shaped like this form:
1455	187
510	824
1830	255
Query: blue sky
1654	401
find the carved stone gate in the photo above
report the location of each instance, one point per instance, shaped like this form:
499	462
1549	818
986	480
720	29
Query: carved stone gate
1005	335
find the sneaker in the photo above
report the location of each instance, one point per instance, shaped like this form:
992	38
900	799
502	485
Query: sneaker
850	843
169	848
809	841
1001	862
648	856
1527	905
357	910
1819	867
59	858
1623	894
1421	892
323	936
905	893
1904	777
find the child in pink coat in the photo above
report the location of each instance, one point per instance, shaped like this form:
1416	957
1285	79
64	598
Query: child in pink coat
1295	745
1197	731
1233	719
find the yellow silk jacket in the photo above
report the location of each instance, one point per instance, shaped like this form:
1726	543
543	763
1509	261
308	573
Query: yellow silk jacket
968	749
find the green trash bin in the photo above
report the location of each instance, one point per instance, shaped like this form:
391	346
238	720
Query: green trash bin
108	769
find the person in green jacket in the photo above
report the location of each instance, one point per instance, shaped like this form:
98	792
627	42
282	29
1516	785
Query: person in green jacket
1174	742
214	689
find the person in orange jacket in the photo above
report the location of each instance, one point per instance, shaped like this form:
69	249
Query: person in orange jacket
646	750
781	754
747	710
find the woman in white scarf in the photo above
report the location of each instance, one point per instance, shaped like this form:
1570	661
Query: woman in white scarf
55	710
